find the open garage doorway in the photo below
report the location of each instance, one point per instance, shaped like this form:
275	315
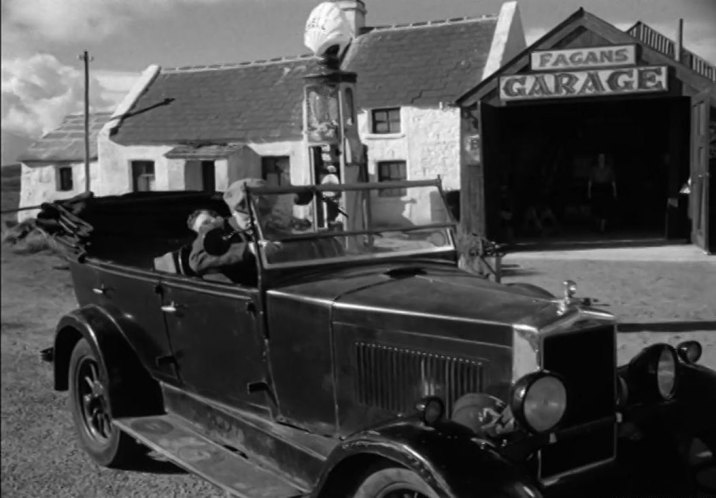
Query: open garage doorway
540	159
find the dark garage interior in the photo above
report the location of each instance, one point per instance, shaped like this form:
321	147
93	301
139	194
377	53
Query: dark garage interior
540	156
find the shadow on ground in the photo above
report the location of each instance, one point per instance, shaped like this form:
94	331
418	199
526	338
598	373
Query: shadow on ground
515	270
151	462
688	326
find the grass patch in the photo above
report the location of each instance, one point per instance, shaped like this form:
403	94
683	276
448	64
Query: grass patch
26	238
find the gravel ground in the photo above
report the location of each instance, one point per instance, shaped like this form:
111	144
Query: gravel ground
654	301
40	457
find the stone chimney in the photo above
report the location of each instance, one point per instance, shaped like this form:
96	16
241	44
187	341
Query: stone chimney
354	11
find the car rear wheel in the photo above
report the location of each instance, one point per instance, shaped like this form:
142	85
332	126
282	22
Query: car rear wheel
394	482
89	403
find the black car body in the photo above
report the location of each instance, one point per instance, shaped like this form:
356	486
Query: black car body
365	363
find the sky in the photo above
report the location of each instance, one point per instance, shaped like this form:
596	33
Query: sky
42	77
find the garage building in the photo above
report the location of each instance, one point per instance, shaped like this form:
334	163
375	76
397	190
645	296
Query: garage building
534	131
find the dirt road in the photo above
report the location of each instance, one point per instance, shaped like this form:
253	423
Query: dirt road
40	458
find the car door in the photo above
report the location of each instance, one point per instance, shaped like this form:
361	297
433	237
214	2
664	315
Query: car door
131	296
217	339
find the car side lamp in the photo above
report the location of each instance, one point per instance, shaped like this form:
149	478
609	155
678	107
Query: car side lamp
652	374
689	351
430	409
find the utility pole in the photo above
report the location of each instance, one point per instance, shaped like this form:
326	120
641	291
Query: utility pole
84	56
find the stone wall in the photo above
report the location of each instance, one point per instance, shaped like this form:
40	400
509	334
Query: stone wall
429	143
171	174
39	183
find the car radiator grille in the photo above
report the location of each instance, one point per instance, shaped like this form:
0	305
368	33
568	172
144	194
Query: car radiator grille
586	361
394	378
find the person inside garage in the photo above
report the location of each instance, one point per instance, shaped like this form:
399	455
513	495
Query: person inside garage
602	192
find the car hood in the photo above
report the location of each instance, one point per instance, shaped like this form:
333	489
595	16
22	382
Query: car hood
433	290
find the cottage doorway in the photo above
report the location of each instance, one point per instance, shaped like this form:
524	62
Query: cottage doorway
200	175
544	178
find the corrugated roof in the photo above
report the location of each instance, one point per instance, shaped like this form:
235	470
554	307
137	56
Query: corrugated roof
412	64
66	143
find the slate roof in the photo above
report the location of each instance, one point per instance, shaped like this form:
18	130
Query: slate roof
259	101
67	143
413	64
420	64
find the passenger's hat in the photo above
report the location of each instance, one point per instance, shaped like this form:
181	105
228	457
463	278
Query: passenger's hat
235	195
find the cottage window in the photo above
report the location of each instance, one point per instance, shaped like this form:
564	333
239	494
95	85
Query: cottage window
391	171
276	170
385	120
64	179
142	176
349	107
208	176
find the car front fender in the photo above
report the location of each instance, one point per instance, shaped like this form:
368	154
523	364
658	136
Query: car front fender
448	457
696	401
132	391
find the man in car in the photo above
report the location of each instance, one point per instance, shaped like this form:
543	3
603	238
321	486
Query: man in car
239	262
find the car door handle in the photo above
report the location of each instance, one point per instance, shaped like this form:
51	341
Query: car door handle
171	307
101	290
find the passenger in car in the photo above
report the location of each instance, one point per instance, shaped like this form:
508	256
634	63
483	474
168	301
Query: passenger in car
202	218
239	262
177	261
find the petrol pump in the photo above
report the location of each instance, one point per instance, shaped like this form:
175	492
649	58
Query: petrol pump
330	126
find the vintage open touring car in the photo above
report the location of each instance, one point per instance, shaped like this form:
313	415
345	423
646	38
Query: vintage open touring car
364	362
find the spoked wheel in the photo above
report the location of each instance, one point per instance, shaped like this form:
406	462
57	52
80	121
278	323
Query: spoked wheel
89	402
95	412
394	482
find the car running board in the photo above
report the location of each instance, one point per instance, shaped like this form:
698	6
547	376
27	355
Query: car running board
229	470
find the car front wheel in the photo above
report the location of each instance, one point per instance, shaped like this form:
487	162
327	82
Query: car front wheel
89	403
394	482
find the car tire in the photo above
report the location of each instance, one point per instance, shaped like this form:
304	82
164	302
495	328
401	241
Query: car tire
394	482
89	404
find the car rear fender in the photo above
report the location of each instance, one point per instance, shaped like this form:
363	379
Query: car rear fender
132	390
448	457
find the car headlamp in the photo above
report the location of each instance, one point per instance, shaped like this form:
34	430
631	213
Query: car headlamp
666	373
539	401
652	374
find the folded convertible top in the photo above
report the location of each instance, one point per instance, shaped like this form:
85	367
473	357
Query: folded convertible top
89	225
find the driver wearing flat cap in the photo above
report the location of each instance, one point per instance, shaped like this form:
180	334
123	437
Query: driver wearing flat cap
238	263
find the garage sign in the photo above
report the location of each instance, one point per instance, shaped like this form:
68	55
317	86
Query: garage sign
587	57
598	82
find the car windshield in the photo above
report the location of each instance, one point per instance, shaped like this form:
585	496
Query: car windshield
299	226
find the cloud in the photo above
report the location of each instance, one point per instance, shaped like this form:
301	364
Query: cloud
114	85
80	20
37	93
